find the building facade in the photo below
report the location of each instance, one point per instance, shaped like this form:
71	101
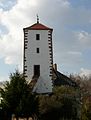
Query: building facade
38	57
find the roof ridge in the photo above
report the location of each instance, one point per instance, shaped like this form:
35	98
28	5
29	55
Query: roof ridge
38	26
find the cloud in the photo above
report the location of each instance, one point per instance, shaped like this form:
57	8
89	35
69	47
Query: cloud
69	43
85	72
9	60
15	20
84	38
7	4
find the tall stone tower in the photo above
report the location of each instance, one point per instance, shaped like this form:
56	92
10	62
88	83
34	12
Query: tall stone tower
38	57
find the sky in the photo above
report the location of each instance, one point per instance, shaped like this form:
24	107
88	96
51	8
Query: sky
71	23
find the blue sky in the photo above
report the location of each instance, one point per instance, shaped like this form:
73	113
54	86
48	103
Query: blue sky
71	23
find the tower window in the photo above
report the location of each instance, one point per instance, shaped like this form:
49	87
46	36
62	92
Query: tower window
36	70
37	50
37	36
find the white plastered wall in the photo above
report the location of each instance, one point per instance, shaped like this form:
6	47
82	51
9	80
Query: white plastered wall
44	83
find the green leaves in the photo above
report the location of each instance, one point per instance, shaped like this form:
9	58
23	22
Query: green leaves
17	97
63	103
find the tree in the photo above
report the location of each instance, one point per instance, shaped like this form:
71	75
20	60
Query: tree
17	97
49	107
85	92
63	103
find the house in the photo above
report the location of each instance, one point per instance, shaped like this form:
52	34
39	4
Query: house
38	57
38	68
61	79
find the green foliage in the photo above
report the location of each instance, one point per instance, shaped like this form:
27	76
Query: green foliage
85	92
64	103
48	107
48	103
13	91
17	97
61	104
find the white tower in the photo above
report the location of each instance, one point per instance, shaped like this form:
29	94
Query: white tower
38	57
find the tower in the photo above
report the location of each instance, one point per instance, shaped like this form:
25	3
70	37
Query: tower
38	57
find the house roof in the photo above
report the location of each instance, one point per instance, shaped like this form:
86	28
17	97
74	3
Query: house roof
62	79
38	26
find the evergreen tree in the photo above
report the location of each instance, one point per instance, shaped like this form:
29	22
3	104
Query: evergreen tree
17	97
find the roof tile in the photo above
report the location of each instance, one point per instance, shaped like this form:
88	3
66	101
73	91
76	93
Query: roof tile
38	26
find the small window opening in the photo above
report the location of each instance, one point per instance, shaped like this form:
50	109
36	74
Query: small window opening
37	50
37	36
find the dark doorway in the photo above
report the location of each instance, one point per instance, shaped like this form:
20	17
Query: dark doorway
36	70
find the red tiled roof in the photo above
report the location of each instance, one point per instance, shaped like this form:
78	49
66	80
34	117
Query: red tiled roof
38	26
